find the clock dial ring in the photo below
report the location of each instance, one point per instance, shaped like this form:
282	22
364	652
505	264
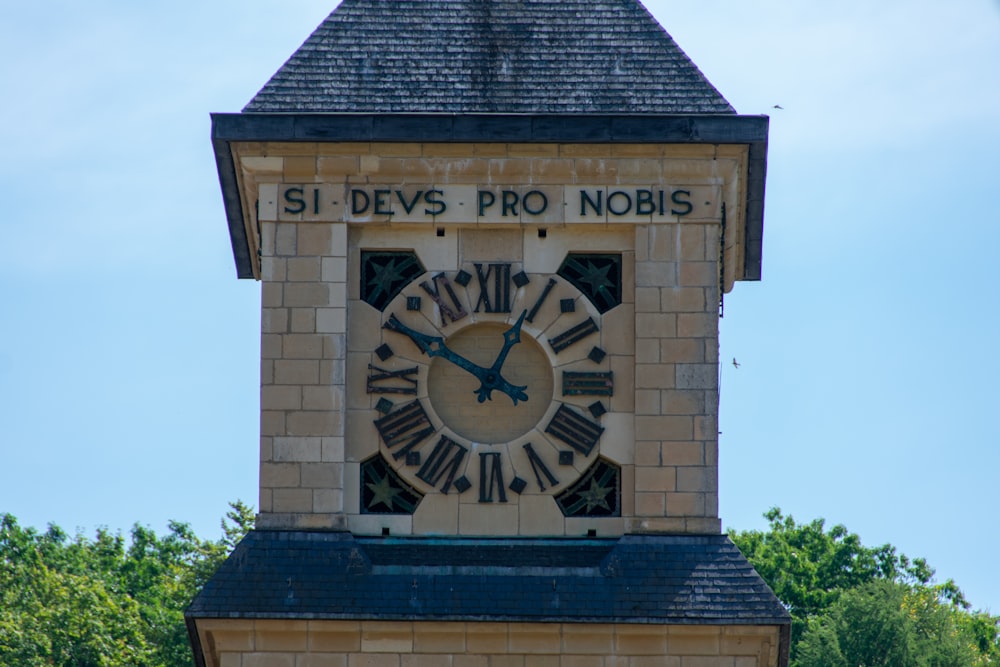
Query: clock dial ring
546	454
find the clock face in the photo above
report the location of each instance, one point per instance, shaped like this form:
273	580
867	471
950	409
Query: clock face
490	382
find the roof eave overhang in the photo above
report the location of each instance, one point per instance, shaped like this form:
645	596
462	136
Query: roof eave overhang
752	131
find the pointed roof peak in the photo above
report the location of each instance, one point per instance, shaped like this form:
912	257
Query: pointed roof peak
490	56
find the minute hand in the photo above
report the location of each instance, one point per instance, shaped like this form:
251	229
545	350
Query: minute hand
434	346
511	337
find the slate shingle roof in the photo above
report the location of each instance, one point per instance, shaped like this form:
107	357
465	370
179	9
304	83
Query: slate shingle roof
634	579
490	56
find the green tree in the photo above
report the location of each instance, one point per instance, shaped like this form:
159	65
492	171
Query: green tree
808	567
854	605
885	624
984	631
101	602
57	606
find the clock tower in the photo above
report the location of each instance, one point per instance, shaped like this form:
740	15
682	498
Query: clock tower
493	239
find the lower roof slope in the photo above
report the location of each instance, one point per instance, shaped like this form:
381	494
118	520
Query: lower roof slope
490	56
634	579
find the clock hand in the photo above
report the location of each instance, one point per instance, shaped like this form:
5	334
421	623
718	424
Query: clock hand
511	337
430	345
433	346
489	378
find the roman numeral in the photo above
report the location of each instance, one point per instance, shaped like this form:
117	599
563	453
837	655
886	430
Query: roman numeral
443	463
539	467
405	428
497	276
491	477
573	334
454	311
588	384
541	299
406	376
575	430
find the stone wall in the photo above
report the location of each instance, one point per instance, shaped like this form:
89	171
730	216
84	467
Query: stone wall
677	266
273	643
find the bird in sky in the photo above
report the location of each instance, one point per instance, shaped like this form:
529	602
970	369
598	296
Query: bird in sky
778	106
736	364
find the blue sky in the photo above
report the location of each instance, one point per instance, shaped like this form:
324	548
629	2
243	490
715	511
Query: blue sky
867	387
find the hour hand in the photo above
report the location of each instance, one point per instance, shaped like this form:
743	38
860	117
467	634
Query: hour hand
427	344
434	346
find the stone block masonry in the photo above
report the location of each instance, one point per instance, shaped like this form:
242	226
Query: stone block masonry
311	306
271	643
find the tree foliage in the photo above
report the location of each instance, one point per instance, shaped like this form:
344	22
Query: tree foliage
76	601
853	605
883	624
